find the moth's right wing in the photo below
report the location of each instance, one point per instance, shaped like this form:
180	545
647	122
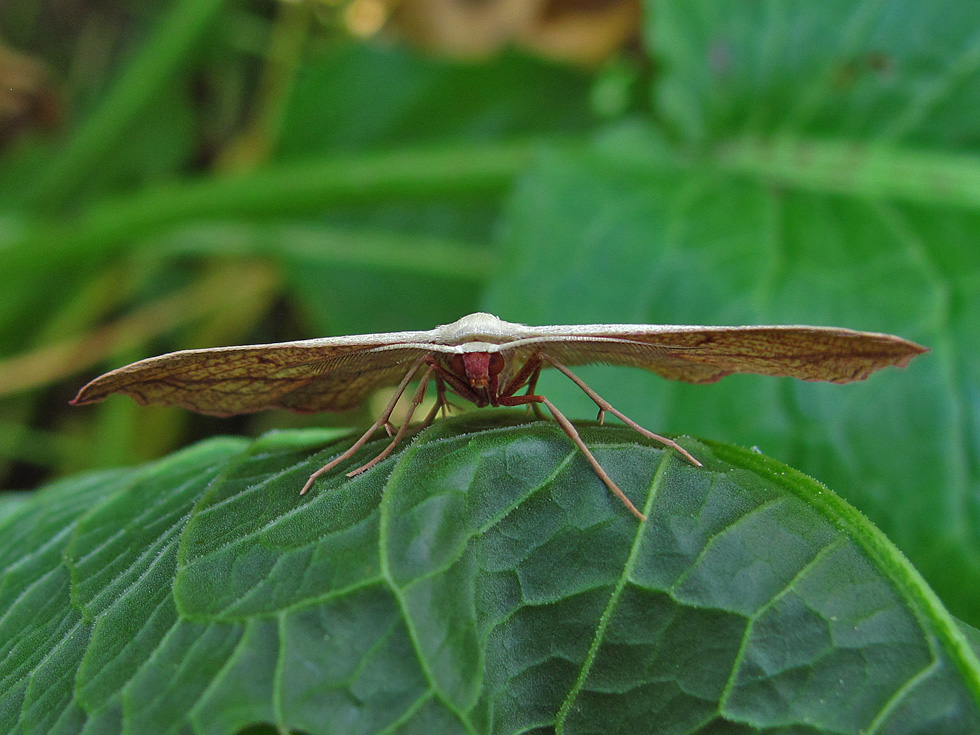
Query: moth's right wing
705	354
331	374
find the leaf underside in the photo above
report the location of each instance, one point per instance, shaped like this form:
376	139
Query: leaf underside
481	580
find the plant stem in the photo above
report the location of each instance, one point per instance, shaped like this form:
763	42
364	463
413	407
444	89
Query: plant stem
415	175
316	243
858	169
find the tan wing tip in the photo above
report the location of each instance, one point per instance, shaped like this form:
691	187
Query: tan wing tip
910	351
900	359
100	389
914	351
87	395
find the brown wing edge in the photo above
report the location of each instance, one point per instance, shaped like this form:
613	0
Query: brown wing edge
840	356
837	355
905	351
100	388
867	353
163	380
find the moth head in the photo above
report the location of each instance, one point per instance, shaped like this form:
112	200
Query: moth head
478	369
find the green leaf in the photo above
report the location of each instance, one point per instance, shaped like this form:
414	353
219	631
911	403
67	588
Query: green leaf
481	580
901	71
384	96
160	57
389	98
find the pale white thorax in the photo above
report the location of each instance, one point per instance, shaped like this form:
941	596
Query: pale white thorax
480	327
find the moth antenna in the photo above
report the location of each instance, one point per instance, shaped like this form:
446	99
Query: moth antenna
381	420
604	405
416	400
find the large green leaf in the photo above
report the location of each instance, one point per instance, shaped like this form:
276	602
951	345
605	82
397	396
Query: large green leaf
481	580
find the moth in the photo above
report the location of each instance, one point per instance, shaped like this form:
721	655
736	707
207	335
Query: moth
488	362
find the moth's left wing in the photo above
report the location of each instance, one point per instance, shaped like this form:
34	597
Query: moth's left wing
330	374
707	354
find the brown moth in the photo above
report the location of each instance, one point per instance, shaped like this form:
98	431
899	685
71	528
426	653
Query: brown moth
487	361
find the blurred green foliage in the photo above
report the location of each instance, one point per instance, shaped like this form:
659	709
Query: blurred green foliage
234	172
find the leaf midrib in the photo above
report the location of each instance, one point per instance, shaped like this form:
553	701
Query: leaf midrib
614	597
397	593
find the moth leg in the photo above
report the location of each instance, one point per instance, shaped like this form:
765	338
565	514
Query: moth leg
573	434
447	404
416	400
382	420
440	399
532	384
528	374
605	406
441	403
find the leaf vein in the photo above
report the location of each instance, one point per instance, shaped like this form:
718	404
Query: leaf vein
614	597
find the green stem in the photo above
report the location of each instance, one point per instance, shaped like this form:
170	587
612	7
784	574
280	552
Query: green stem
260	136
319	244
154	66
414	175
860	170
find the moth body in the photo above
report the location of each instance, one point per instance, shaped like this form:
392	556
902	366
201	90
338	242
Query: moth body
487	361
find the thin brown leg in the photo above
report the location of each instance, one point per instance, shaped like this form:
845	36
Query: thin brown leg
434	411
382	420
532	384
527	375
439	404
604	406
573	434
416	400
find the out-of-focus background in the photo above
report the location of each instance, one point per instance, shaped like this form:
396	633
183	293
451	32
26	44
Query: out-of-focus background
196	173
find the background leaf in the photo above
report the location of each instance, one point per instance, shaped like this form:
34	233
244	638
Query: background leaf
863	72
384	97
483	580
